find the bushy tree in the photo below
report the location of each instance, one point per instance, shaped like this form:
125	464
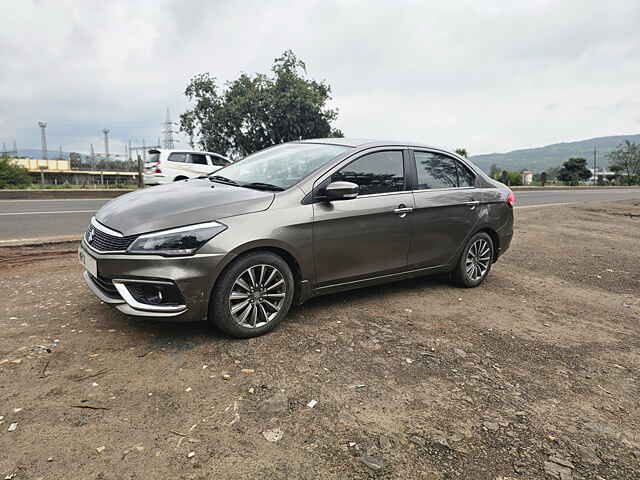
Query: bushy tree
494	171
255	112
13	175
574	171
462	152
626	159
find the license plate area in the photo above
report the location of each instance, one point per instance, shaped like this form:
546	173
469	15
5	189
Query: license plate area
88	262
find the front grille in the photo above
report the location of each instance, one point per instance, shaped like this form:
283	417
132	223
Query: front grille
105	242
105	285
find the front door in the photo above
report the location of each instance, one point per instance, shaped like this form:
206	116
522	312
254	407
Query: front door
446	209
369	235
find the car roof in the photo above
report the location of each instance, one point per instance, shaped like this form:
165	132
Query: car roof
367	142
182	150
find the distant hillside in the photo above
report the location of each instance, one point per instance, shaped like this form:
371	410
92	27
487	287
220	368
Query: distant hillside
542	158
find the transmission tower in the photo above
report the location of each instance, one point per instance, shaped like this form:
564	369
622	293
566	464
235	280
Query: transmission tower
168	132
43	134
106	143
15	149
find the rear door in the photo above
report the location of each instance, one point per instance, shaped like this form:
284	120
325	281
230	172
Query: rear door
199	164
369	235
446	208
217	162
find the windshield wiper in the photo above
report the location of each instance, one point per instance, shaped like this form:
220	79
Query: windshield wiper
263	186
221	179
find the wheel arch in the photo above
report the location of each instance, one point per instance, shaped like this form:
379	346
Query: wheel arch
494	238
276	248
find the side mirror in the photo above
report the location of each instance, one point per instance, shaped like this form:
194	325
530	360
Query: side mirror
341	191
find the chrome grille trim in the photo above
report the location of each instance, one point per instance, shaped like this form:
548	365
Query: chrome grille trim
102	239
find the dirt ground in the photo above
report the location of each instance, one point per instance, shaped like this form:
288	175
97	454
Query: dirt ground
533	375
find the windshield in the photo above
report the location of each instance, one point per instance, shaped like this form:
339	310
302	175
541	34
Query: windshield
281	166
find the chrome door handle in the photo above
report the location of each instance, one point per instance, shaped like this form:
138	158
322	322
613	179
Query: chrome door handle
402	211
473	204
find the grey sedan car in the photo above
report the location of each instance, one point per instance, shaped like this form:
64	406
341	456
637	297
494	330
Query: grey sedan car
291	222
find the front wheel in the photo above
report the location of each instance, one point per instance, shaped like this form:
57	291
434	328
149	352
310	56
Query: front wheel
475	262
252	295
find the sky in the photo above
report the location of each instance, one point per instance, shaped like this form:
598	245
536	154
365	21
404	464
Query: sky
489	76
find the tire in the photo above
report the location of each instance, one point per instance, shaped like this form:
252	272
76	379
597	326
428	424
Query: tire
264	307
478	269
177	179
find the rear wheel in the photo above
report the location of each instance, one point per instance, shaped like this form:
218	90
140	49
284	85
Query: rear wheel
177	179
252	295
475	262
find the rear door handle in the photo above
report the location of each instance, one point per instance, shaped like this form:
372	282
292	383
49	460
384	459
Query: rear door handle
473	204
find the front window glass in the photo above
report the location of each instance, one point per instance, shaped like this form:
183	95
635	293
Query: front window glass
281	166
378	172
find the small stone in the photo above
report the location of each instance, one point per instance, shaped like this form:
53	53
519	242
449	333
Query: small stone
50	459
374	463
251	390
188	389
16	410
491	426
226	376
312	403
101	449
557	471
273	435
461	353
408	360
247	371
17	361
12	427
204	367
94	384
191	454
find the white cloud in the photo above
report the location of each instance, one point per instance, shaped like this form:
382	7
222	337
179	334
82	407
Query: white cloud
488	76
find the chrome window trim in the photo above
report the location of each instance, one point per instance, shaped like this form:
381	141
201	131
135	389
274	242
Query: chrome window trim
105	229
442	189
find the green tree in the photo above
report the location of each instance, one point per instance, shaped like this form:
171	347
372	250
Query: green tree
462	152
494	172
574	171
13	175
255	112
626	159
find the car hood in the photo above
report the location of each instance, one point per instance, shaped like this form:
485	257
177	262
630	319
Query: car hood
178	204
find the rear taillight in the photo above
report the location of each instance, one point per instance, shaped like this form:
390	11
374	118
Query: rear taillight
511	198
157	170
156	167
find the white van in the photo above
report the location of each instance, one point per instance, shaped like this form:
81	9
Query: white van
166	166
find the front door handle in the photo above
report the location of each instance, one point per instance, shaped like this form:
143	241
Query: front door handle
402	210
473	204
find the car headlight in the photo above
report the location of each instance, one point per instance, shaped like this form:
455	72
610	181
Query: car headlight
177	241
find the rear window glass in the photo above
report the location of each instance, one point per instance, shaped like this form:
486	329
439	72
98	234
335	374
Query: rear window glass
178	157
198	159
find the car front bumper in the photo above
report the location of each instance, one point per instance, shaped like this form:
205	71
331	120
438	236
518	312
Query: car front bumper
117	275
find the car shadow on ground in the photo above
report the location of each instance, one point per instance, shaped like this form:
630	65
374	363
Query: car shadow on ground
183	336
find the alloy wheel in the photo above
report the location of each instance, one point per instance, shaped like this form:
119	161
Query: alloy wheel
257	295
478	260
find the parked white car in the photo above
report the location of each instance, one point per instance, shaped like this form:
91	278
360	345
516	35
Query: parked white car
166	166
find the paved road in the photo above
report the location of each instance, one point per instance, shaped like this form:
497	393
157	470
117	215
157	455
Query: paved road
34	219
